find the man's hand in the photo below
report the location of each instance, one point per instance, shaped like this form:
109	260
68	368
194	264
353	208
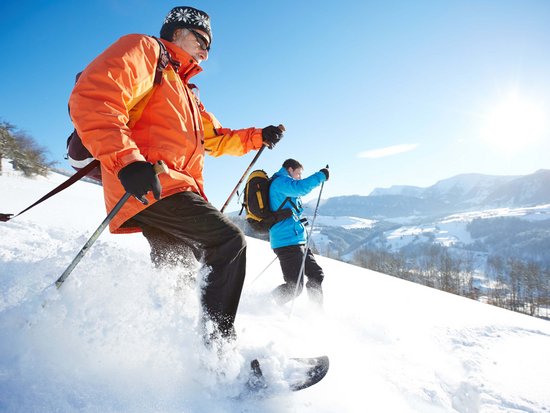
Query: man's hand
271	135
325	171
138	178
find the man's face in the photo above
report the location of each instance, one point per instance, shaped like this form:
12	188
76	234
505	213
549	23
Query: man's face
295	173
193	41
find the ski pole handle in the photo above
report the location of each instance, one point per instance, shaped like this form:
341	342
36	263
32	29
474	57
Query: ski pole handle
159	167
282	128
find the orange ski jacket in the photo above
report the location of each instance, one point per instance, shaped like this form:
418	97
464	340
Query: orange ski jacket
121	118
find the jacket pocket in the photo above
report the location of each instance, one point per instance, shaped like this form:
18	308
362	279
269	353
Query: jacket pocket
299	228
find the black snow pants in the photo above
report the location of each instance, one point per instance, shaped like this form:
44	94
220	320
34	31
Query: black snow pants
291	258
186	222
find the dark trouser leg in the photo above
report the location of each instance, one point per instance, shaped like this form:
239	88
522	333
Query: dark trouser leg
187	216
291	258
315	278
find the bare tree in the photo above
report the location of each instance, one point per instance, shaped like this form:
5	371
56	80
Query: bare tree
7	141
26	155
533	287
498	293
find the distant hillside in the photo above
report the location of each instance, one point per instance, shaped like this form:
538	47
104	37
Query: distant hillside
457	194
379	207
524	191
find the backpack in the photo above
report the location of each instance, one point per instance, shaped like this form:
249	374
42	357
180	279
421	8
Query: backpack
78	156
256	203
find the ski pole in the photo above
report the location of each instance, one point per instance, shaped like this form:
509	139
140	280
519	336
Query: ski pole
302	267
159	167
264	270
282	128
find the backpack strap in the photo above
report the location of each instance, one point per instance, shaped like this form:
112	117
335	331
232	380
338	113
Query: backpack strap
163	61
281	214
292	204
287	199
72	179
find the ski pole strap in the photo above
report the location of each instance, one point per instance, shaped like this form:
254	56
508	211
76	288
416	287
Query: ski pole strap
76	177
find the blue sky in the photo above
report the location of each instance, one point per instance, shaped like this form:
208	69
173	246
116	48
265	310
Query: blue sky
385	92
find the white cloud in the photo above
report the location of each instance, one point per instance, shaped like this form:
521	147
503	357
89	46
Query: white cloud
387	151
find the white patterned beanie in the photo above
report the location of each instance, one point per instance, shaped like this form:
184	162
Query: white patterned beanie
185	17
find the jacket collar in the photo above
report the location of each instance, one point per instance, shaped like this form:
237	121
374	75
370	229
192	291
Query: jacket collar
188	66
282	172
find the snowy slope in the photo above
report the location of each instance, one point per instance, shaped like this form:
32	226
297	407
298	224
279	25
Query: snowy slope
119	336
452	229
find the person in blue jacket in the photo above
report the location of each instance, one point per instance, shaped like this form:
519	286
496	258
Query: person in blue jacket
288	237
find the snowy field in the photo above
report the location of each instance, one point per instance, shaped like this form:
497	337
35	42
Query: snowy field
344	222
453	228
120	336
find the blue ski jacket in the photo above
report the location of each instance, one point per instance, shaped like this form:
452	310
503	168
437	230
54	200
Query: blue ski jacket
290	231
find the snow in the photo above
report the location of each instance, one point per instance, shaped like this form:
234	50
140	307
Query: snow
452	229
120	335
535	213
344	222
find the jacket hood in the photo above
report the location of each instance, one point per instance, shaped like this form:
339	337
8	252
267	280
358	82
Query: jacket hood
281	172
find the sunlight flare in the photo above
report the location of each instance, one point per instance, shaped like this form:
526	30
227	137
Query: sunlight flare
514	123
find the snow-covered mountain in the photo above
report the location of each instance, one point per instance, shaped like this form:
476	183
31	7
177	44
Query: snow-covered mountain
445	214
379	207
522	232
457	194
524	191
119	336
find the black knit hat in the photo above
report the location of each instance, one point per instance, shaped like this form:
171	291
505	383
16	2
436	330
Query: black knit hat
185	17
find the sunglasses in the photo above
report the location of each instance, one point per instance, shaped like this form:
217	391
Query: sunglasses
201	40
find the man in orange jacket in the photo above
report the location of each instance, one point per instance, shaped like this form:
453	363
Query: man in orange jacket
129	121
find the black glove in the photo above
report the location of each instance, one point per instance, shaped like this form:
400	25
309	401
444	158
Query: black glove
325	171
138	178
271	135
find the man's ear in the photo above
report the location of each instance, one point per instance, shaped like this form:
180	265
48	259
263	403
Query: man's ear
177	34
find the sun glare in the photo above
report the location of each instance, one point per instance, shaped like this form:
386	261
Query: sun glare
514	124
